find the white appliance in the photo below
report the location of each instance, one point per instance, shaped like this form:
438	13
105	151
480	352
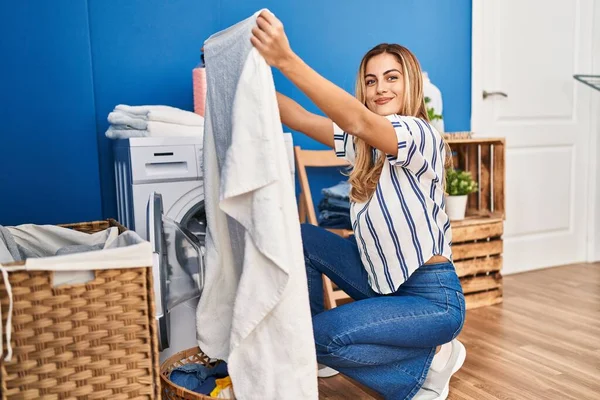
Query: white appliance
171	168
160	195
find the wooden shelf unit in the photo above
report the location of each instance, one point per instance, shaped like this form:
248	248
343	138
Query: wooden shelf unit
477	243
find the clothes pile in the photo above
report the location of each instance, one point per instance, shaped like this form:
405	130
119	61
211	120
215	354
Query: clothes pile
19	243
155	121
213	381
334	208
29	241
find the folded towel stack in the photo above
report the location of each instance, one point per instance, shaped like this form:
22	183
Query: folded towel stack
156	121
334	208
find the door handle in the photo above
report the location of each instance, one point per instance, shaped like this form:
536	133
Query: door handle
486	94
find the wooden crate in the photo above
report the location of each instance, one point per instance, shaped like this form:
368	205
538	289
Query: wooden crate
484	158
477	243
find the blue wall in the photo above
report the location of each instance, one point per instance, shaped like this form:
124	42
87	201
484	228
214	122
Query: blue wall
143	52
68	63
333	36
48	148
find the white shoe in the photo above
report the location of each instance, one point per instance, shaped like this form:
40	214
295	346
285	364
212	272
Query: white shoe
426	394
326	372
437	383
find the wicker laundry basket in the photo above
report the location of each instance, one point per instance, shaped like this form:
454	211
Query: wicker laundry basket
95	340
171	391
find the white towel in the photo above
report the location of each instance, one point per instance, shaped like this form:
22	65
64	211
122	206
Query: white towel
254	311
154	129
132	121
163	114
161	129
122	132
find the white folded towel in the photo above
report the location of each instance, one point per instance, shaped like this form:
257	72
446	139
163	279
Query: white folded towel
159	128
154	129
121	118
162	114
122	132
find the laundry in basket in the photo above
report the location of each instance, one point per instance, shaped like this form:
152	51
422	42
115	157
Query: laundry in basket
94	339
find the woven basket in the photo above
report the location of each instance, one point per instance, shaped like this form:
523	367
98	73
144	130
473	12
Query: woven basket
95	226
88	341
171	391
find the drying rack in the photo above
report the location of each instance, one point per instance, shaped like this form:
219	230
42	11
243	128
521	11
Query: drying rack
590	80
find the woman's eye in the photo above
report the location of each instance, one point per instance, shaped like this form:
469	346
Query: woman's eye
369	82
393	78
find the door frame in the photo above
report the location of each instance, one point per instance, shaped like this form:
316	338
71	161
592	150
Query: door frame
593	243
476	61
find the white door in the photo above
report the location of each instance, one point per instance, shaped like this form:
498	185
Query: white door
525	53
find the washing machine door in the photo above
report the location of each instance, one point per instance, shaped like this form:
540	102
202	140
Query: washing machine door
178	269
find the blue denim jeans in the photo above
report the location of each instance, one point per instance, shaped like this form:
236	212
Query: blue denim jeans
339	191
385	342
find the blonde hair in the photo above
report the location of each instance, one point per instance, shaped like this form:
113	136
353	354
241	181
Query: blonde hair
366	172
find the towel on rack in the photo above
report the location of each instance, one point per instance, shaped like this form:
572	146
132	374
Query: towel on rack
167	114
254	311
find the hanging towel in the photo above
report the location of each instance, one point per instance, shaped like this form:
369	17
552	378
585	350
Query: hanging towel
167	114
254	311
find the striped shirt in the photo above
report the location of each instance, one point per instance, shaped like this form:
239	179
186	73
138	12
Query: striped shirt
404	223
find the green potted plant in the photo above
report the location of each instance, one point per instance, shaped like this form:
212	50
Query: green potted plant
459	184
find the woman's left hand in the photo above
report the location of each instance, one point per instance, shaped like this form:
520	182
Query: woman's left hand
270	40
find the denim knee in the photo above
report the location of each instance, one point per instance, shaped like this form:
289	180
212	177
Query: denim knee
324	339
309	233
307	229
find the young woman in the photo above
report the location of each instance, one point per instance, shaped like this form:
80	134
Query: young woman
398	337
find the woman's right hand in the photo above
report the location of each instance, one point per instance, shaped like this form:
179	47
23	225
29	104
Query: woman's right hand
270	40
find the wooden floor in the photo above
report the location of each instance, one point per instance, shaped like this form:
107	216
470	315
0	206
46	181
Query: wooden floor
543	342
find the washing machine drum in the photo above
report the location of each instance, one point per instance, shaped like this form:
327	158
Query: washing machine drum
178	269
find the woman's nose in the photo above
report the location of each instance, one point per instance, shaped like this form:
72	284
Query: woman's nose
381	88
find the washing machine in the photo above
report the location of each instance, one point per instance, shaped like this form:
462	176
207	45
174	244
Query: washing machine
160	195
171	166
159	180
178	276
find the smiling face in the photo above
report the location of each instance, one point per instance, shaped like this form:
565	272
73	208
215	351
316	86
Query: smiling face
389	81
384	84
